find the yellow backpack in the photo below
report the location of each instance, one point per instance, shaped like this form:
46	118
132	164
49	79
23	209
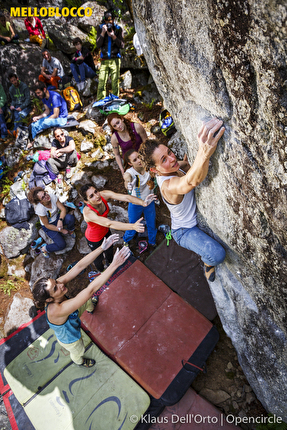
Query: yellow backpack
72	98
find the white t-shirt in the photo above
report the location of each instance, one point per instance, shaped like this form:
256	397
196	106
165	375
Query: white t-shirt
54	64
50	213
143	190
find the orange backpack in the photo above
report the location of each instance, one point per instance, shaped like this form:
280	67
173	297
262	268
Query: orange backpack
72	98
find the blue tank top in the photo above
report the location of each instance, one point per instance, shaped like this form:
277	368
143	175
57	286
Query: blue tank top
68	332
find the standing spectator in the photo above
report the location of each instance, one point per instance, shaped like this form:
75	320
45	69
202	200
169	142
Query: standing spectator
20	100
96	216
36	31
7	33
82	64
139	184
63	314
55	113
3	107
52	70
126	135
110	41
63	152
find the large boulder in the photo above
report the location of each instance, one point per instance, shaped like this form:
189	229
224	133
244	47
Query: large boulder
62	34
14	241
86	23
25	61
228	59
19	312
43	267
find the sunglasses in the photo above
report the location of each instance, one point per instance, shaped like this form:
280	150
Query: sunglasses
58	135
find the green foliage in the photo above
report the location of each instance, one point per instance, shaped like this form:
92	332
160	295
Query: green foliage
130	31
8	287
92	36
38	104
73	3
272	425
118	8
6	184
149	105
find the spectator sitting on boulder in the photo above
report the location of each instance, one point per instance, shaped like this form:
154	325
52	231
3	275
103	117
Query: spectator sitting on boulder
53	216
36	31
110	41
63	152
52	70
20	100
7	34
55	113
3	107
82	64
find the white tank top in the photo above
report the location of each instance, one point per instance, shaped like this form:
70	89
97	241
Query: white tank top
182	215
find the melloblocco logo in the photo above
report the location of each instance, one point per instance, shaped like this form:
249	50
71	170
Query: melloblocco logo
49	11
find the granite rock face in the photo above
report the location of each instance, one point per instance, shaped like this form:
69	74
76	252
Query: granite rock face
228	59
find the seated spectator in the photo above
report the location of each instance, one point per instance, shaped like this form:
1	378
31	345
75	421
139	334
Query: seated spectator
53	217
7	34
55	113
20	100
52	70
82	64
3	107
63	152
36	31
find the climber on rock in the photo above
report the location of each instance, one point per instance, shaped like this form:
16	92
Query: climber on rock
177	180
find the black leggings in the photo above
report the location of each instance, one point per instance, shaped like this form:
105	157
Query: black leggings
98	262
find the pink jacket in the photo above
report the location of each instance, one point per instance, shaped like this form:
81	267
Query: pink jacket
38	28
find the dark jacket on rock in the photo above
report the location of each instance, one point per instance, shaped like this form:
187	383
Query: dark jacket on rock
20	96
110	48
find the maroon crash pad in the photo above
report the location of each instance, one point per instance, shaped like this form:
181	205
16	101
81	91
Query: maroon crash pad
146	328
192	412
182	271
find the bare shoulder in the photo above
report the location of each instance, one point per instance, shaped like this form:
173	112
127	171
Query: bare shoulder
138	126
114	140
